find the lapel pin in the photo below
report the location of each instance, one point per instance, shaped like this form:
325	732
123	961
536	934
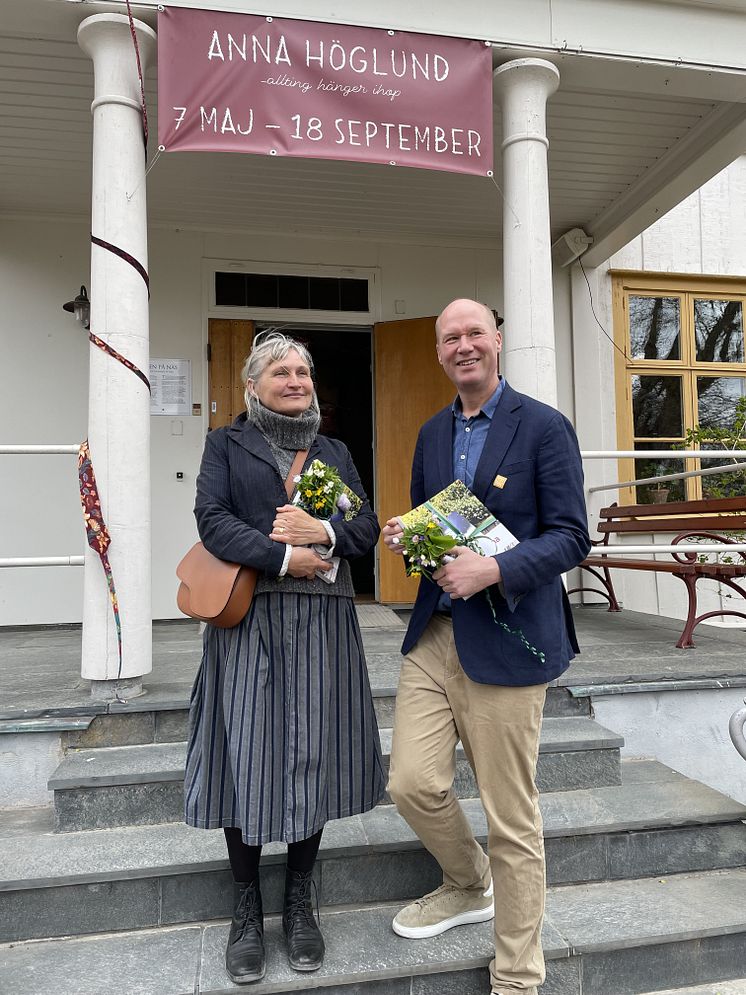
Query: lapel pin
499	481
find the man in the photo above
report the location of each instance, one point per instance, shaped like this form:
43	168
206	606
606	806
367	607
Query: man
464	676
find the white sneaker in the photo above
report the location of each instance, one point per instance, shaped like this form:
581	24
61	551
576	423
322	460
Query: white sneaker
442	909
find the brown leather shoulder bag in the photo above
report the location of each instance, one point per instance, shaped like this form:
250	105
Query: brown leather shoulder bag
215	591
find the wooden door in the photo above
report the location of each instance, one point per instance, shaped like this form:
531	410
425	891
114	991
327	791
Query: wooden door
229	344
410	386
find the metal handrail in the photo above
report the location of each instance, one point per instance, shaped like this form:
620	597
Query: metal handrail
42	561
618	548
658	453
39	450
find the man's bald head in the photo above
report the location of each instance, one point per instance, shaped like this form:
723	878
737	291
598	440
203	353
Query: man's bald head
459	304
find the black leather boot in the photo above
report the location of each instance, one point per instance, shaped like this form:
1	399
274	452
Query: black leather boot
244	955
305	942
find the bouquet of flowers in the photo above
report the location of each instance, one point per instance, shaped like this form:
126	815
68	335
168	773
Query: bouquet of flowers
322	493
455	517
425	545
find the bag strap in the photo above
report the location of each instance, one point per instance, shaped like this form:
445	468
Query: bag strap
295	469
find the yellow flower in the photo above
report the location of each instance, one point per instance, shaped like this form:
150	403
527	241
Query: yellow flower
430	525
319	504
309	492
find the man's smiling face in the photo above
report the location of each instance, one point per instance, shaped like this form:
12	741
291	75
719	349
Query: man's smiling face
468	344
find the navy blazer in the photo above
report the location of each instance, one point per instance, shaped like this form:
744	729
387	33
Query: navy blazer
534	448
239	489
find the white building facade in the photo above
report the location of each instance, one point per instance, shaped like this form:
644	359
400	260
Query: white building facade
645	109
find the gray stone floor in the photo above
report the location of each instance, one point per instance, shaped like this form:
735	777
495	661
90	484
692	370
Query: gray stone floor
40	675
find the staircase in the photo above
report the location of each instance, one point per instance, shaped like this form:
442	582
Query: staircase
108	892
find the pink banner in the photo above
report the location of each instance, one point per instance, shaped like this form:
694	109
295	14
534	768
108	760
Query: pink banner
248	83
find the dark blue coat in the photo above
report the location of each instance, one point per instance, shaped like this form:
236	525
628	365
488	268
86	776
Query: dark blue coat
239	489
542	502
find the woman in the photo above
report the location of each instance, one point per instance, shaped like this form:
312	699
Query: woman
283	735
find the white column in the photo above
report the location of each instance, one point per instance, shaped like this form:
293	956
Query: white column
119	404
524	86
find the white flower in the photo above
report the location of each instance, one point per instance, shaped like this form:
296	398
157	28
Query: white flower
296	478
344	504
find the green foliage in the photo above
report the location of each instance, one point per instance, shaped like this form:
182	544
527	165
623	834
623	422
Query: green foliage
318	489
425	545
732	436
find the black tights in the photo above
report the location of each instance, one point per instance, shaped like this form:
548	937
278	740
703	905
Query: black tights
245	859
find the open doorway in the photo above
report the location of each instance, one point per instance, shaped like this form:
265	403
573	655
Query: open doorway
343	373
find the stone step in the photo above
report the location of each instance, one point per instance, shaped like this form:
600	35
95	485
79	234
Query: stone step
141	785
735	987
616	938
170	725
656	822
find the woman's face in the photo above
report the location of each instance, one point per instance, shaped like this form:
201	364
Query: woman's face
285	385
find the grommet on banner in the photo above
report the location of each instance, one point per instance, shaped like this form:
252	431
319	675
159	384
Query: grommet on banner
161	148
391	162
269	20
273	151
161	8
490	173
391	32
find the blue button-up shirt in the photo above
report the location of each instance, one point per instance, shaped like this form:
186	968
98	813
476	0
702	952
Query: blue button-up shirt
469	436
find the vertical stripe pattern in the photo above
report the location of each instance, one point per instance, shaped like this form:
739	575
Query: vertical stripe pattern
283	736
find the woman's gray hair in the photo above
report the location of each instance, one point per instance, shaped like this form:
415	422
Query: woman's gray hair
269	346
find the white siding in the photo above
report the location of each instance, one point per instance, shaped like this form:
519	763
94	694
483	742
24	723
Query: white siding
45	381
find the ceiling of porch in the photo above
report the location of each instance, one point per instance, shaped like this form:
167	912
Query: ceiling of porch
603	144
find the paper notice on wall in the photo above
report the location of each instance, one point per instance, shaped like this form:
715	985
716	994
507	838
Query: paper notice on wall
171	387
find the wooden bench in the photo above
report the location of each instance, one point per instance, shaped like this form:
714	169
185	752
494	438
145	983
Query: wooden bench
688	521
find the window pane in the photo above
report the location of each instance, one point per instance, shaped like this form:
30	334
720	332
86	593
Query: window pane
666	490
717	403
354	295
717	398
722	485
261	290
718	329
293	291
656	407
654	324
230	289
324	293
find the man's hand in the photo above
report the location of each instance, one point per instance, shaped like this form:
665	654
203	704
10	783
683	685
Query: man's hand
304	563
467	573
297	528
392	533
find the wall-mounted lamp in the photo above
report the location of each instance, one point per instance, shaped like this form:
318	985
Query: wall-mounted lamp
81	308
570	247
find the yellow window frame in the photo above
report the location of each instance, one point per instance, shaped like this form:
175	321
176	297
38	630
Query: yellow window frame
688	288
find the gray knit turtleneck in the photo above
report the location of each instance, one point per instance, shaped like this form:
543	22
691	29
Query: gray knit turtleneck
285	437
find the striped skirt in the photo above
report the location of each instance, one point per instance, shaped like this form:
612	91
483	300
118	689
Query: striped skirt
283	736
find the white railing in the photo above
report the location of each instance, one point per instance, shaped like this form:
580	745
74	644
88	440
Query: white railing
40	561
682	547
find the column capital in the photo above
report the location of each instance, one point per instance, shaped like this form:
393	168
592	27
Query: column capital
107	40
539	74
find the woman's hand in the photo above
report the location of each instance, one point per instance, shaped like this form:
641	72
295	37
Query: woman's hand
304	563
297	528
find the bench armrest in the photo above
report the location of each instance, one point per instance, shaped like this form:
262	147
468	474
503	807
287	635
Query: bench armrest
692	557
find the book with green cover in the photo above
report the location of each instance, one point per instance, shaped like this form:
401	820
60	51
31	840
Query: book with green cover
461	514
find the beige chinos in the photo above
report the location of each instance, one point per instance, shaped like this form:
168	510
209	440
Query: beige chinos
499	728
